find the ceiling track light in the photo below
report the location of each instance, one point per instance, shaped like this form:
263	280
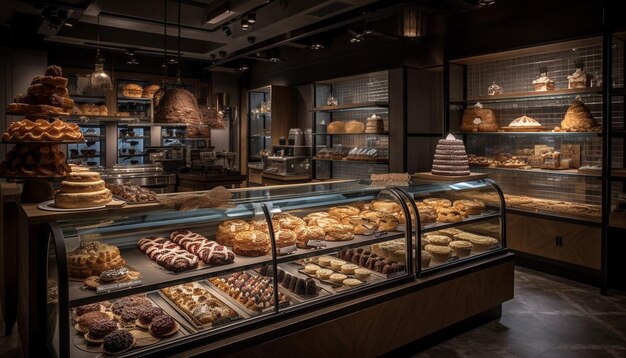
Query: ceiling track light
245	26
131	58
227	30
317	45
250	18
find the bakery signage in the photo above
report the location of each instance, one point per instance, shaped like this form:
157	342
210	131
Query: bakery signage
105	288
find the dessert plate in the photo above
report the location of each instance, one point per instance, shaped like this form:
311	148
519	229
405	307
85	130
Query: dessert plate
49	206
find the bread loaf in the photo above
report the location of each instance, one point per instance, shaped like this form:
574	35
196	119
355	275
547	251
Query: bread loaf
479	119
336	127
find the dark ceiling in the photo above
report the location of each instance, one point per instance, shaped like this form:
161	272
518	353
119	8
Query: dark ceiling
139	25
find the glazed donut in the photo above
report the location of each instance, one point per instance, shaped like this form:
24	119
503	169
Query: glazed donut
307	233
251	243
227	230
340	212
471	207
339	232
385	206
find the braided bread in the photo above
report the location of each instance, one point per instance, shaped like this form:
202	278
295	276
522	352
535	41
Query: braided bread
91	258
210	252
167	254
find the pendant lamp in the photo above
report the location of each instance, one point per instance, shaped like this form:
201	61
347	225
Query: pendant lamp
99	81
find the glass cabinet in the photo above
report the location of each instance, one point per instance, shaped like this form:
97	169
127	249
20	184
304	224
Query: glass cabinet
167	277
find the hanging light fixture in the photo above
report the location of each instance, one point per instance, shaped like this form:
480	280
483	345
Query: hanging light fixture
99	81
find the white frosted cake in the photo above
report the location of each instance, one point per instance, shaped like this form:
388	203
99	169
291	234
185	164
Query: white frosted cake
525	122
450	158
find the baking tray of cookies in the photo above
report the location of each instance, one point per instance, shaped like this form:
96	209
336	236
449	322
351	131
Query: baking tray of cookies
143	337
336	286
198	325
241	305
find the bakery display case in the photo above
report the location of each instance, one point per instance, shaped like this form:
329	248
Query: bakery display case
92	152
455	223
135	98
132	139
351	126
167	279
540	137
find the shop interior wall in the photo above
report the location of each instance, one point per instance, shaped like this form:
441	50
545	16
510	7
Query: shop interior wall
18	68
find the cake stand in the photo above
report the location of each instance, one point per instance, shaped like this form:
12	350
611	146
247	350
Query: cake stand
37	188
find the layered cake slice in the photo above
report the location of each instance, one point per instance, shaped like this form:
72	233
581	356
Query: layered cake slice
450	158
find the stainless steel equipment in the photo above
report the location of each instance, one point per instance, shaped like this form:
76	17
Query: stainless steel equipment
171	158
151	176
288	165
295	137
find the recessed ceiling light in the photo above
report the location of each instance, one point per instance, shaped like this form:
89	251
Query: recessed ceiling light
227	30
218	15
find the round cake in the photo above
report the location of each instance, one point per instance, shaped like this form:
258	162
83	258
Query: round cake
450	158
82	190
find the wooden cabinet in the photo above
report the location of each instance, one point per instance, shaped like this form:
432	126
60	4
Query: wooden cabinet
577	244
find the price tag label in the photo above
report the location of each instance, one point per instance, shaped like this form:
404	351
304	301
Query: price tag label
316	243
287	250
117	286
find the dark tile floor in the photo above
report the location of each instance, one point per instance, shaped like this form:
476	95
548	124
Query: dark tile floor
549	317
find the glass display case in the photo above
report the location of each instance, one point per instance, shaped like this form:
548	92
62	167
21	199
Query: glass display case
205	272
541	138
260	122
132	139
92	152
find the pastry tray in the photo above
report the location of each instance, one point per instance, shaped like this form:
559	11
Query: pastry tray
115	197
225	297
294	296
338	287
81	344
194	322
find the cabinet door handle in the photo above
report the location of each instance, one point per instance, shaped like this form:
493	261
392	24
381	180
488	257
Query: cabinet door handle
559	241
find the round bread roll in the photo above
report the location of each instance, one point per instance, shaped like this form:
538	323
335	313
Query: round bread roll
251	243
339	232
471	207
284	238
354	127
385	206
316	215
307	233
227	230
339	212
336	127
132	90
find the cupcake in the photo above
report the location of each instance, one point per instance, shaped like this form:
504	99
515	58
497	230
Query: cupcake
324	261
311	268
426	257
349	269
461	248
338	277
483	243
336	264
324	274
440	253
362	273
439	240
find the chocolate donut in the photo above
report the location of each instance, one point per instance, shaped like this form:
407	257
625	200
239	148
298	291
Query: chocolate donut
81	310
162	325
146	314
114	274
117	341
99	330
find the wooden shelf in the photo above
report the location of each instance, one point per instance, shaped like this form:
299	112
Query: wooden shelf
573	172
349	106
533	96
590	134
377	161
340	134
